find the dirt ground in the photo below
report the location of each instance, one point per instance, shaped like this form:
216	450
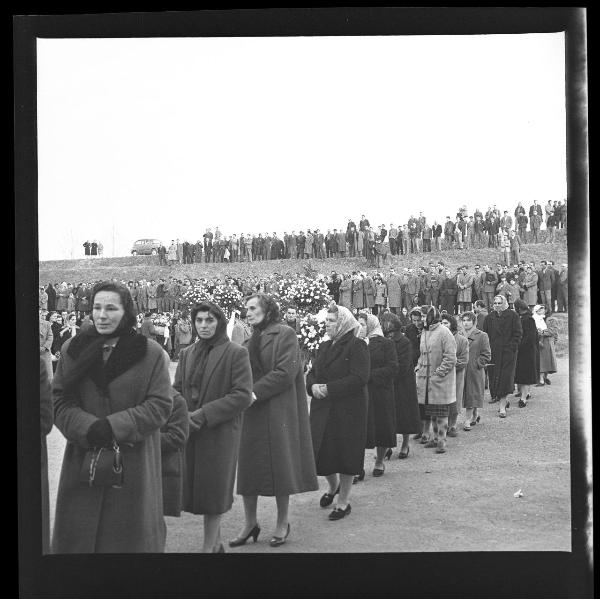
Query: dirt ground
458	501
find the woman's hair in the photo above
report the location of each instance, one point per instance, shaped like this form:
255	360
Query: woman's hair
362	314
520	305
130	317
269	306
469	316
452	320
480	304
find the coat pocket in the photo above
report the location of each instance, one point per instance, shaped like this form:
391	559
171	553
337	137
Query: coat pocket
171	463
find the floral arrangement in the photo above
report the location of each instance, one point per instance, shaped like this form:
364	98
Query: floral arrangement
310	337
228	298
310	295
161	320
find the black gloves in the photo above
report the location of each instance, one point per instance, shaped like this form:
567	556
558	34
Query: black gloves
100	434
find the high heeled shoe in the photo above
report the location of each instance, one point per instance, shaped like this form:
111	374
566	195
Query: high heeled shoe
379	471
242	540
277	541
402	455
359	477
388	454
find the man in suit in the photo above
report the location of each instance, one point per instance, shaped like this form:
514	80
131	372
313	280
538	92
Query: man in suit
46	339
545	282
448	232
535	222
535	208
506	221
393	234
522	222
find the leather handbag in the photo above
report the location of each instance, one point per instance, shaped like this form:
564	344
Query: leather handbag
103	467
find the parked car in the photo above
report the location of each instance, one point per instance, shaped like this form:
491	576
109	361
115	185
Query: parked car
145	247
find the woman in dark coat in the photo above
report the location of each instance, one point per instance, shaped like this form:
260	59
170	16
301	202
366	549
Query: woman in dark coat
111	385
46	422
526	373
173	437
276	456
503	327
214	376
448	292
338	410
381	416
51	297
408	419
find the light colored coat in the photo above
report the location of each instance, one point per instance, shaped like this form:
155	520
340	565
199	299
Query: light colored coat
394	291
530	289
466	280
462	359
479	355
436	373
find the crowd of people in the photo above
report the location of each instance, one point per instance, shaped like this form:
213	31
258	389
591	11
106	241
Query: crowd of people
490	229
244	405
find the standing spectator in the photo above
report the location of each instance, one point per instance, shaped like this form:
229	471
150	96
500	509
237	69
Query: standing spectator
505	246
436	232
448	293
393	234
341	244
364	223
470	239
479	357
562	292
339	405
275	457
100	249
490	281
51	291
464	282
503	327
62	297
46	340
530	286
172	253
535	208
535	222
427	235
162	255
481	313
183	333
448	232
413	333
522	221
394	291
381	412
515	247
547	328
345	292
214	377
526	373
113	361
551	223
478	228
208	245
87	247
151	293
94	248
506	222
436	378
43	304
545	282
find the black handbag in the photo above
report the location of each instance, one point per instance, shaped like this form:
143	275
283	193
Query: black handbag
103	467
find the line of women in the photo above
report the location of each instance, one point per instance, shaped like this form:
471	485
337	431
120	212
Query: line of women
235	411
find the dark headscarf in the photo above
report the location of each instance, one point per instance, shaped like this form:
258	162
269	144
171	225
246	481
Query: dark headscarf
391	325
521	306
204	346
271	310
86	348
433	316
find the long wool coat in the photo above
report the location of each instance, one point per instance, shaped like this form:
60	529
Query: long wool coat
530	288
479	355
138	403
394	291
381	417
211	453
436	374
464	295
358	293
505	332
173	437
408	419
547	350
462	359
346	293
526	372
369	289
276	456
339	421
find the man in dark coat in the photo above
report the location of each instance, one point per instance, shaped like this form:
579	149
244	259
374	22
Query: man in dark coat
51	292
504	330
87	247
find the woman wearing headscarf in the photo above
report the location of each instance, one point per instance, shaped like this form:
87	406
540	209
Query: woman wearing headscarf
462	359
381	416
405	387
526	370
479	356
338	410
503	327
547	328
111	385
214	376
436	378
276	458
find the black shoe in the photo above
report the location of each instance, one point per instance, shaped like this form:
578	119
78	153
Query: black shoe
277	541
403	455
452	432
507	405
378	471
339	513
327	498
522	404
388	454
242	540
547	381
359	477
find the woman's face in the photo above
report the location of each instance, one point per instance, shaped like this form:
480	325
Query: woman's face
72	321
53	317
468	324
446	323
59	319
405	311
107	312
256	314
362	333
206	325
331	323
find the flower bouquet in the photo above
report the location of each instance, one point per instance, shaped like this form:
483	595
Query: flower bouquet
310	295
311	335
228	298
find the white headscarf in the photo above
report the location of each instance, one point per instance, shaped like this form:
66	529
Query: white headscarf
373	326
345	323
540	323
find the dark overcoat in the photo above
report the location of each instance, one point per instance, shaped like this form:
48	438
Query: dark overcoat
408	419
381	417
276	457
173	437
479	355
526	369
46	422
505	332
339	421
138	402
212	451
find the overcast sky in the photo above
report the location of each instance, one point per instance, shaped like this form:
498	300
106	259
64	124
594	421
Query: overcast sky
164	137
